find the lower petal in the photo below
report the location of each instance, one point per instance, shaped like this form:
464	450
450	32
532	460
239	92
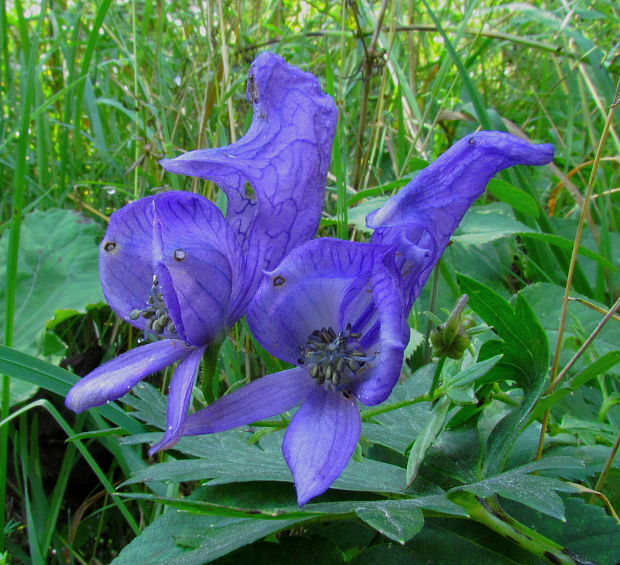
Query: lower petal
116	377
179	397
262	398
320	441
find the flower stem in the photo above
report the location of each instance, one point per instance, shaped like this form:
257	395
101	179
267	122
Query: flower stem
437	376
210	384
489	513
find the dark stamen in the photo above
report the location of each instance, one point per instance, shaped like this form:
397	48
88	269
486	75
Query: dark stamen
156	312
333	358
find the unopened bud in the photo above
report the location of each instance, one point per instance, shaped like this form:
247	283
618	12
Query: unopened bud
451	339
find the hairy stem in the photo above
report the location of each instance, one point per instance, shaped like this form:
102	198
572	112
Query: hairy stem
489	513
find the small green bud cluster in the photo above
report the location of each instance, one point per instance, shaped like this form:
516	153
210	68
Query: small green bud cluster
451	339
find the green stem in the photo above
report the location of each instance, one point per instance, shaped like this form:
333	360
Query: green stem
437	376
376	410
209	364
432	308
489	513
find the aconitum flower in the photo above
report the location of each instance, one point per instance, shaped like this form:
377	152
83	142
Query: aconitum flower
275	175
420	220
174	267
338	310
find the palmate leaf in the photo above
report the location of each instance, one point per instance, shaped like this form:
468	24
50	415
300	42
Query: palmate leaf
588	530
446	542
229	457
434	426
525	351
487	223
186	539
396	429
57	270
225	524
397	524
290	550
535	491
386	555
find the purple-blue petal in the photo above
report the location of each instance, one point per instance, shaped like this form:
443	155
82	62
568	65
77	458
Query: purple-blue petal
283	159
199	265
320	441
116	377
422	217
263	398
387	338
306	293
125	259
179	398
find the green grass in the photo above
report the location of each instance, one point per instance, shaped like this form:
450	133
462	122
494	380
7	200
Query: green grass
94	94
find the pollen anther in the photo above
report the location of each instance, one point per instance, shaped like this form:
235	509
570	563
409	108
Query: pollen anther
334	359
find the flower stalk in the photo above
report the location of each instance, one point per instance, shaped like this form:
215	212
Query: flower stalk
489	513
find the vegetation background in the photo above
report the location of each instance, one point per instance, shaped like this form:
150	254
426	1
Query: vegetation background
94	94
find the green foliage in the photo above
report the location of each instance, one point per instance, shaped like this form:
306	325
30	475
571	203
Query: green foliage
57	271
93	95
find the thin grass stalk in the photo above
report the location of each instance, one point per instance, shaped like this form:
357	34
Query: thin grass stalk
31	525
600	483
83	451
5	72
136	95
573	260
226	66
93	38
370	53
554	384
19	192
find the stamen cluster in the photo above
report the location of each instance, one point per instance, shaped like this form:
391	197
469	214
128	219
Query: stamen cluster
156	312
333	357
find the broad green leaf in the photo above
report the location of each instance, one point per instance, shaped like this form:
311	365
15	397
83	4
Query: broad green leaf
598	367
57	270
491	307
228	457
398	524
525	350
357	215
520	200
462	395
290	550
588	531
432	429
546	300
471	373
277	501
565	243
186	539
447	542
535	491
487	223
385	555
397	428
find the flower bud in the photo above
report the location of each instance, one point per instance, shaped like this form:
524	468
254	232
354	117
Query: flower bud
451	339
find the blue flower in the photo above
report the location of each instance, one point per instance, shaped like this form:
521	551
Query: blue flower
173	266
338	310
